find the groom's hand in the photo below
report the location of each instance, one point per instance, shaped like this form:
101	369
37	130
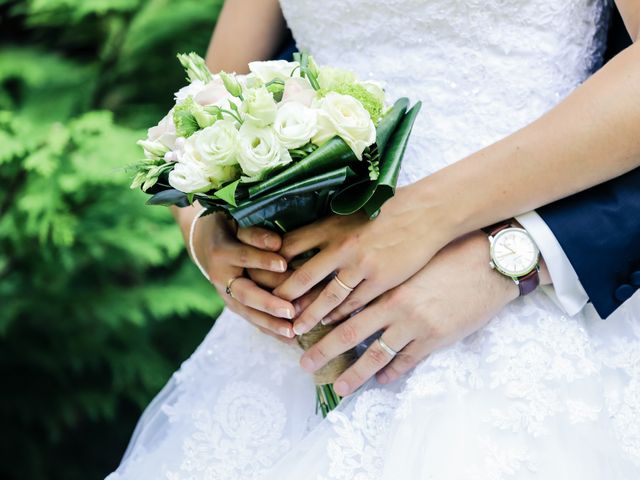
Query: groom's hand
451	297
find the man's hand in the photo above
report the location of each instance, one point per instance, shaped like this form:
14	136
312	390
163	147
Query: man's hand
451	297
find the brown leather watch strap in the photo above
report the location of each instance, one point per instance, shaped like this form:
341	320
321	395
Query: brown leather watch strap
529	282
492	230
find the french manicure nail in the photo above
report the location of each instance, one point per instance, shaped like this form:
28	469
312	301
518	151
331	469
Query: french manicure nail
285	332
284	313
279	266
300	329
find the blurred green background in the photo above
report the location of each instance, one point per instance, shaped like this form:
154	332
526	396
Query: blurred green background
98	301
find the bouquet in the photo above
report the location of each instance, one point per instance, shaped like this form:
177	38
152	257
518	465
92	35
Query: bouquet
279	148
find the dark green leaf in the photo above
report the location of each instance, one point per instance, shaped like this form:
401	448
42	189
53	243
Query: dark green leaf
294	205
169	197
333	154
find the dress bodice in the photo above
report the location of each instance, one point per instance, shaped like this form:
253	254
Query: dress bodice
483	68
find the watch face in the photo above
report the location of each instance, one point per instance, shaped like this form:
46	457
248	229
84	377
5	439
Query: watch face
514	252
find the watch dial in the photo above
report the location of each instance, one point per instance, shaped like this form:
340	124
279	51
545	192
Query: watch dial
514	252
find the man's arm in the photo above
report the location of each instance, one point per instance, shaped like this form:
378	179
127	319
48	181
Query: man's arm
599	230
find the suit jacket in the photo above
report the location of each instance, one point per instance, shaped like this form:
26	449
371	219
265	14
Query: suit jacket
599	229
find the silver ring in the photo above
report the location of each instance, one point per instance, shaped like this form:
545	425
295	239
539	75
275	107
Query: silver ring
386	347
343	285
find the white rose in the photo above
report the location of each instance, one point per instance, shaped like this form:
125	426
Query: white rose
299	90
295	124
260	151
213	93
273	69
190	90
259	107
344	116
189	177
215	145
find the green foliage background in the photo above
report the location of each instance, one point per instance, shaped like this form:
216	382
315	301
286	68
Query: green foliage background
98	302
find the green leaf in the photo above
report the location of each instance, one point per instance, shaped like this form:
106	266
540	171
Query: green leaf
294	205
169	197
228	193
331	155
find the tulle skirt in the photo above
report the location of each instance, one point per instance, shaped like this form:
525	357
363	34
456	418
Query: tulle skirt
534	394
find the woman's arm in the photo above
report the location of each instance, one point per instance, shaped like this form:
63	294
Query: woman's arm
246	31
590	137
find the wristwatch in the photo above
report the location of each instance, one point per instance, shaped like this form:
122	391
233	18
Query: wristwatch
515	255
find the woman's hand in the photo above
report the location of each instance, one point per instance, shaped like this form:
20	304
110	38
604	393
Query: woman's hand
453	296
369	257
226	254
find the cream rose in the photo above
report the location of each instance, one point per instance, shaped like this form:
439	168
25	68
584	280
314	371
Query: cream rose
189	177
259	107
344	116
215	145
295	124
273	70
260	151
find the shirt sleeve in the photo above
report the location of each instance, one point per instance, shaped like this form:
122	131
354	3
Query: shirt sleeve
566	291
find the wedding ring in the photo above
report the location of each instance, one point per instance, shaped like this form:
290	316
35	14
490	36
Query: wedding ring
229	283
386	347
343	285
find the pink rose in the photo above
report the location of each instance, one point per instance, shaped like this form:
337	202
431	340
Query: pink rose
298	90
212	93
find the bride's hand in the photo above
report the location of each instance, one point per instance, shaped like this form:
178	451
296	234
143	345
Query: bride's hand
225	256
453	296
369	257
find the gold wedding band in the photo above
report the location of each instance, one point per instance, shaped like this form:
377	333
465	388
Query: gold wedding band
343	285
386	347
229	283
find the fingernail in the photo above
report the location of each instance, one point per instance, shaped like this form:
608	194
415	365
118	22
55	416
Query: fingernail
279	265
270	242
284	313
300	329
307	364
285	332
326	321
341	388
297	307
383	378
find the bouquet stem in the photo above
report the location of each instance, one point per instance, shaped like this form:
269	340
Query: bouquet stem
327	398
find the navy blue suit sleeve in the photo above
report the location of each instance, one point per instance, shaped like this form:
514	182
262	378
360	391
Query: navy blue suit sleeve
599	230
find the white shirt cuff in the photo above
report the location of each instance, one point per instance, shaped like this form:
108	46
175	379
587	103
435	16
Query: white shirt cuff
567	291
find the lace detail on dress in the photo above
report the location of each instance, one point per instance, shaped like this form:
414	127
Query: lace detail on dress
356	449
240	438
512	61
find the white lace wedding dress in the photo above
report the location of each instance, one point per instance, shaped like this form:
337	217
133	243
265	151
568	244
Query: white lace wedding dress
533	395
